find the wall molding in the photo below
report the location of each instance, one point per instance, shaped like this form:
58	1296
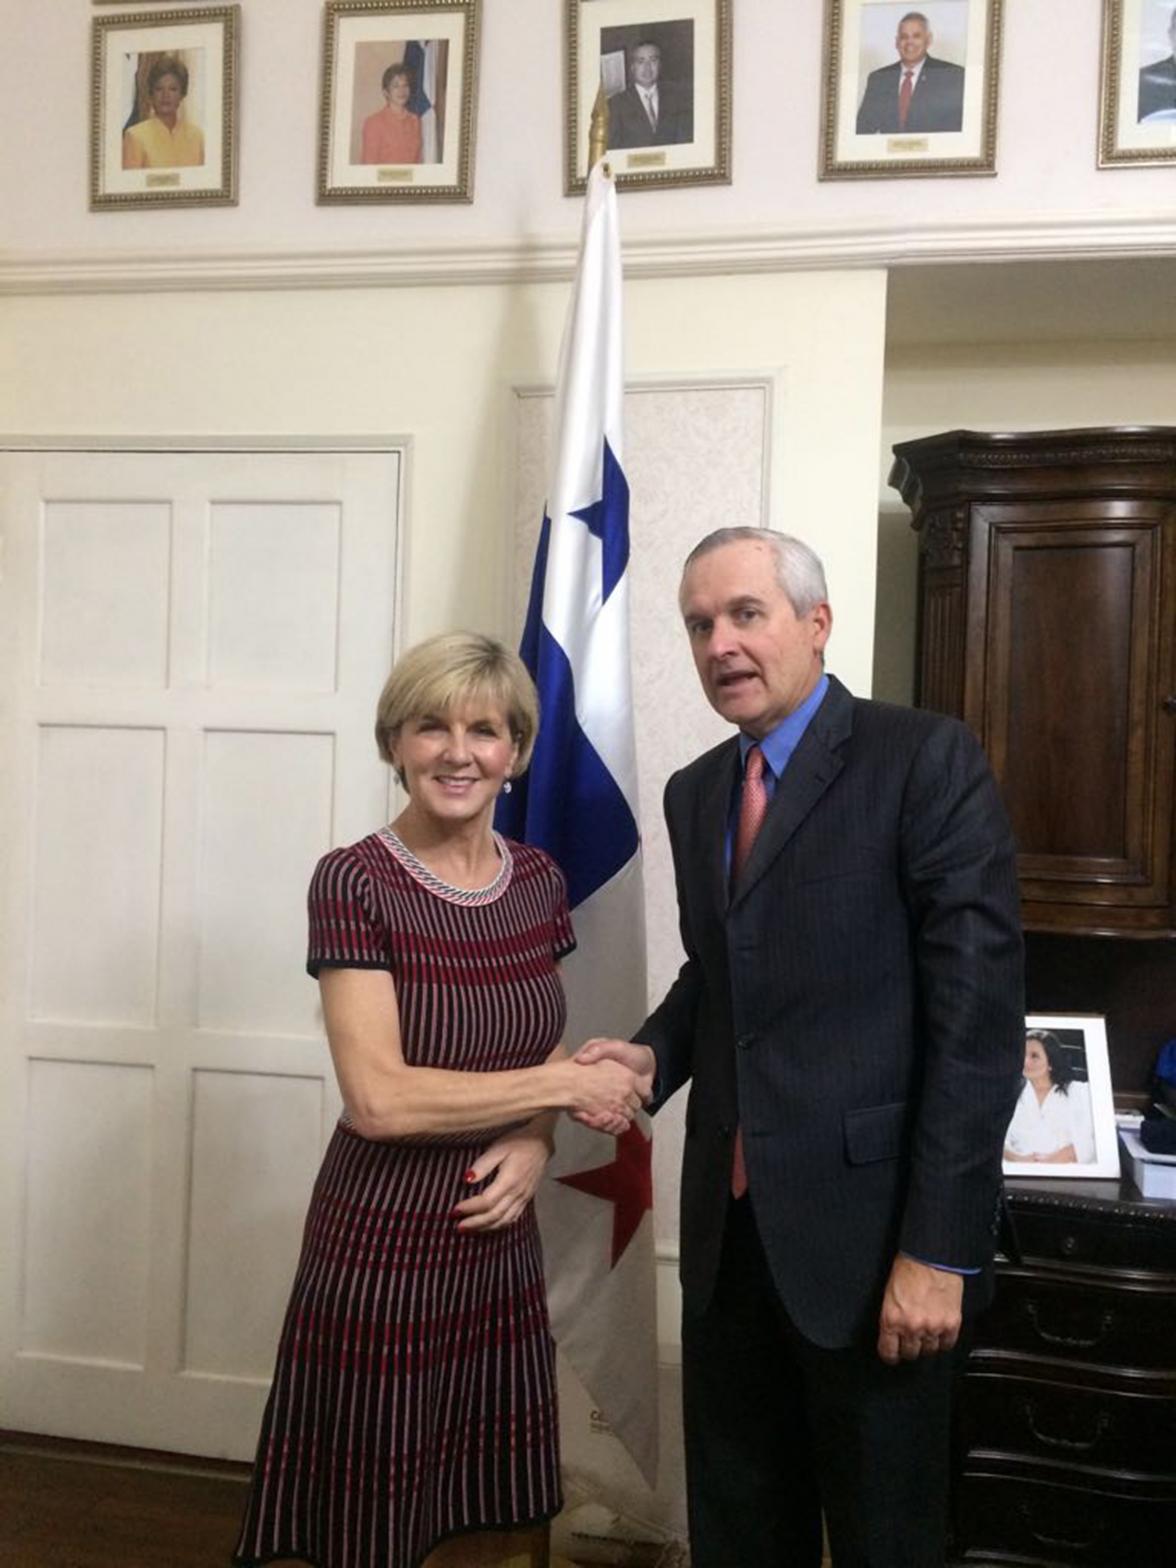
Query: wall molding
101	271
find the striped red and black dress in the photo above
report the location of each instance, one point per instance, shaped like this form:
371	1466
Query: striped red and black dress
414	1393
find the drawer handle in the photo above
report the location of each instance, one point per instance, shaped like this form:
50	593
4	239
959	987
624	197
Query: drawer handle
1071	1341
1064	1543
1074	1444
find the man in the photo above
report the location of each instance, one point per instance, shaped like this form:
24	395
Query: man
918	93
650	112
1157	82
850	1020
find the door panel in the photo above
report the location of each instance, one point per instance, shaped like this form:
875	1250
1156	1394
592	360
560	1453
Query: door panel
193	646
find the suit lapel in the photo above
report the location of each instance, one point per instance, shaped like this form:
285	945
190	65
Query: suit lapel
814	765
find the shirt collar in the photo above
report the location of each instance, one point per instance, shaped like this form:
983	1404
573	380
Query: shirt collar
779	744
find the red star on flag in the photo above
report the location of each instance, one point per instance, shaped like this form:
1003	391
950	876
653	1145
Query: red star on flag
627	1183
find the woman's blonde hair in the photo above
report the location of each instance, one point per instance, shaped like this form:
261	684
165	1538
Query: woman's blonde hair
450	671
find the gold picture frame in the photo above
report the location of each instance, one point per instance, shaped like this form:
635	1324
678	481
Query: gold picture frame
877	121
399	86
680	132
1137	102
163	108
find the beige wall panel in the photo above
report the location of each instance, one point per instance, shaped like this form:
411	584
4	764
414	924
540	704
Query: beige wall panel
274	595
256	858
97	884
438	366
256	1144
87	1211
104	596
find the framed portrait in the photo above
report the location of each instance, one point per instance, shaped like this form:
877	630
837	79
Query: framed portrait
163	108
665	70
399	85
909	90
1137	122
1064	1120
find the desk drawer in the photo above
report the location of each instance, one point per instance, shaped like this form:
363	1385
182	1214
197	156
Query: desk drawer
1084	1428
1078	1321
1094	1240
1035	1522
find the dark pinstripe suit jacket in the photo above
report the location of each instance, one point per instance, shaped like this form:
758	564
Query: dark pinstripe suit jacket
857	1006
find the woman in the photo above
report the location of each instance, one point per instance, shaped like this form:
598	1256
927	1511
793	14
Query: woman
393	133
1051	1123
164	140
414	1392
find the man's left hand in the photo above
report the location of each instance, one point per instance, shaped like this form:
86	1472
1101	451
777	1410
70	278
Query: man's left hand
920	1311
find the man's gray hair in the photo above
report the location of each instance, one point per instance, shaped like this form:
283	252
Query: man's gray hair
915	16
798	566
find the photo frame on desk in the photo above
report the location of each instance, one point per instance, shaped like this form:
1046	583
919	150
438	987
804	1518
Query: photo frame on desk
1137	120
399	87
163	108
1064	1120
909	91
665	68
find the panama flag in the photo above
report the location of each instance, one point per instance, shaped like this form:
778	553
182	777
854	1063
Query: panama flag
578	801
421	58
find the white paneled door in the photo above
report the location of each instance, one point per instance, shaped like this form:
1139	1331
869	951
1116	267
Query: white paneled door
191	647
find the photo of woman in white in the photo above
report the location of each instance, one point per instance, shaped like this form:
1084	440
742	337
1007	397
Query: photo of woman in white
1052	1122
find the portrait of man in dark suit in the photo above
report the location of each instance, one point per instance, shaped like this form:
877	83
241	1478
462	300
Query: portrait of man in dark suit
849	1019
652	111
1157	81
918	93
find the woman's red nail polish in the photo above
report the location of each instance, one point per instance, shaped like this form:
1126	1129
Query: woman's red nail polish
469	1176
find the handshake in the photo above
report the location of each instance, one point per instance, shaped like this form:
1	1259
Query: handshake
612	1080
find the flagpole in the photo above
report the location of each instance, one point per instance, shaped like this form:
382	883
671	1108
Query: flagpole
598	131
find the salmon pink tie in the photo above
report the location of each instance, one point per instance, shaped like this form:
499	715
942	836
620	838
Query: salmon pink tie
752	806
905	93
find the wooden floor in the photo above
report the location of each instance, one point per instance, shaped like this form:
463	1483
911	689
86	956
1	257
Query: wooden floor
64	1510
68	1505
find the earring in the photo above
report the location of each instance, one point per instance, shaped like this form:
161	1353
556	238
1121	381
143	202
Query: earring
507	787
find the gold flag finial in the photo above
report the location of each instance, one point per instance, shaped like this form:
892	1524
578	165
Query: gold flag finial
598	130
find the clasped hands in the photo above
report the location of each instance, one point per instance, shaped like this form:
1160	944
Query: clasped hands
611	1081
616	1081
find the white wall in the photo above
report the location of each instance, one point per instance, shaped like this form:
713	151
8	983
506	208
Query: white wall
1048	194
439	366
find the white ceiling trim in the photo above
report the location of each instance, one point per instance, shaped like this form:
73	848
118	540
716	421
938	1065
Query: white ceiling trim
749	251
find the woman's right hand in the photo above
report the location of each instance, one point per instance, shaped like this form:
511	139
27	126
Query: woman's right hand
606	1092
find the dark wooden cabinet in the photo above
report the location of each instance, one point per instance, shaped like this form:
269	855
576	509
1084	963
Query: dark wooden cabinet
1067	1418
1048	623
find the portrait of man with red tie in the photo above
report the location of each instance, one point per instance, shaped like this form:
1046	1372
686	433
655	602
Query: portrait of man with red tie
919	93
849	1022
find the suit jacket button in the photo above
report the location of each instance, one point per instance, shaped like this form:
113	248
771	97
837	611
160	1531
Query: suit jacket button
745	1041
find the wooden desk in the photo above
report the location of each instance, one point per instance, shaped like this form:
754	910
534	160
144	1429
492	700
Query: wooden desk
1066	1449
